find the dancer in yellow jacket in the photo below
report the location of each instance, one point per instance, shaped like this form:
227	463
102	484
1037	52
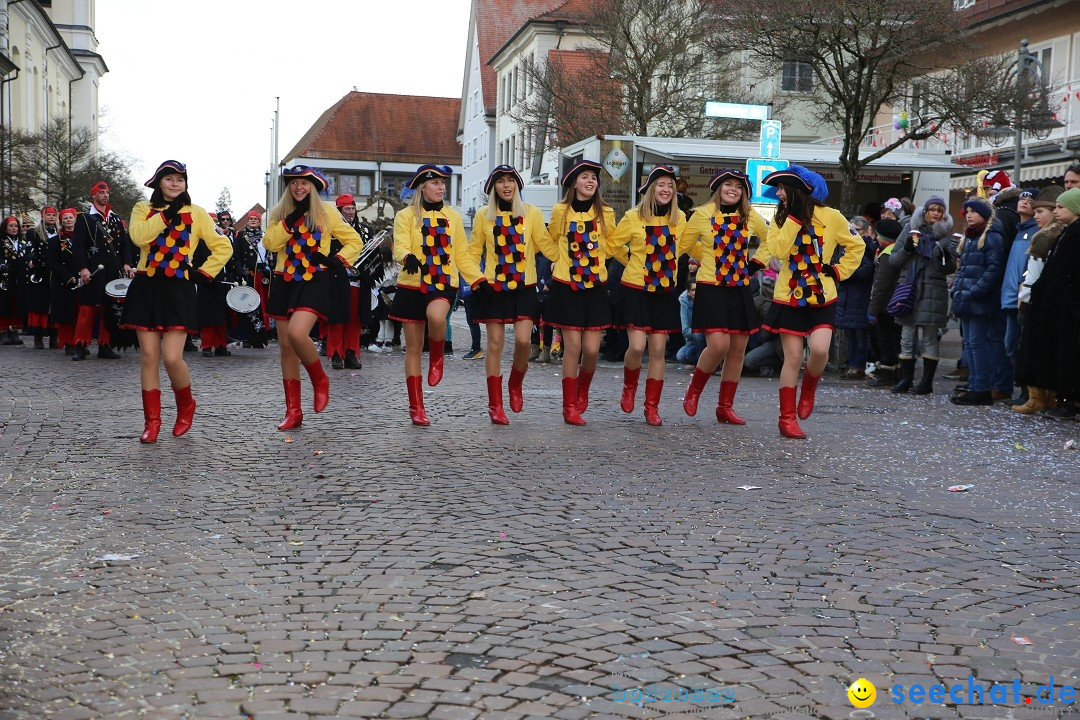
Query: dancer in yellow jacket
805	237
299	232
649	241
428	240
724	311
161	304
578	243
505	233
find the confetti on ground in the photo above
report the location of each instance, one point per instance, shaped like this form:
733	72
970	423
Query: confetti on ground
749	487
115	557
1070	445
1022	641
316	452
1018	446
960	488
296	542
502	535
289	440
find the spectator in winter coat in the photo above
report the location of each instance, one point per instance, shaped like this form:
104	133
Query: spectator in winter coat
976	298
1015	265
886	328
852	306
925	255
693	343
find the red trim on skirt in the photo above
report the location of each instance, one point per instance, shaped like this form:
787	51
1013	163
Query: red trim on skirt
600	328
160	329
314	312
501	321
784	331
650	331
726	331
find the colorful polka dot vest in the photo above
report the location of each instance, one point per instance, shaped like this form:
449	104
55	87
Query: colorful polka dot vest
584	249
437	245
805	286
299	265
660	261
509	252
729	249
168	253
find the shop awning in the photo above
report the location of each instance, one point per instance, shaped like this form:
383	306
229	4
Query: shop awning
1032	173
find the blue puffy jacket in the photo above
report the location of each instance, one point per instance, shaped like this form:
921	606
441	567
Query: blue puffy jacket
976	291
853	294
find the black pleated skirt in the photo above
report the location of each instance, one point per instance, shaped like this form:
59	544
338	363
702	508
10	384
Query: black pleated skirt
410	305
799	320
288	297
588	309
508	306
160	304
653	312
725	308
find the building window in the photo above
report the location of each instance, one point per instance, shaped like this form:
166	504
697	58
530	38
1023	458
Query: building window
797	76
962	4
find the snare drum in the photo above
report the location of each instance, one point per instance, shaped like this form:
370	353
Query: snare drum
117	289
243	299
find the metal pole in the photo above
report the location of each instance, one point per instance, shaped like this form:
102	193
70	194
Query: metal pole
1020	57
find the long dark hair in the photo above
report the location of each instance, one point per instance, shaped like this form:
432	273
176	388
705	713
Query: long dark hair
798	198
157	198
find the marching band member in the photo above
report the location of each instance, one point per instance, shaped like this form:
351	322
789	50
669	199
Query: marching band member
10	244
724	307
505	232
213	310
649	241
577	242
346	293
428	239
806	237
255	266
161	305
37	278
63	274
299	233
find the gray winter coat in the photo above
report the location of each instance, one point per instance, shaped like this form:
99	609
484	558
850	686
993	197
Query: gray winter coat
932	288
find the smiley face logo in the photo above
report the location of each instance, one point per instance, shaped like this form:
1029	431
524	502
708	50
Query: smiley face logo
862	693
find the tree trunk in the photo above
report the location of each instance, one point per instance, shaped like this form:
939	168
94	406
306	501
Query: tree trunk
848	189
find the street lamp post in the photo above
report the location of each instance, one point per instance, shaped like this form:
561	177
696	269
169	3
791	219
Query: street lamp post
1026	62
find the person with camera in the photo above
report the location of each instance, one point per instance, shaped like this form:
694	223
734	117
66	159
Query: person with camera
805	236
300	232
161	305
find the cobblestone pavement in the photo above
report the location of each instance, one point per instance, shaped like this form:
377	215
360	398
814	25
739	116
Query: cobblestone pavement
361	567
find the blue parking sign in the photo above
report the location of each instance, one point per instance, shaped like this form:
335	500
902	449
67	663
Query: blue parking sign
758	168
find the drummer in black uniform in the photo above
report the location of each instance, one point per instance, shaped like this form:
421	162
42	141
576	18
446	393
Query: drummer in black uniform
249	257
64	273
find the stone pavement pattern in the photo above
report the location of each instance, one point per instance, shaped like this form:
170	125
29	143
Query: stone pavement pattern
361	567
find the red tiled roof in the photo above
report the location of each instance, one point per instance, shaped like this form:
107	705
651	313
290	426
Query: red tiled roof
496	22
376	126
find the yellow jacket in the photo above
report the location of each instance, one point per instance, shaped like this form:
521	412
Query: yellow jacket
576	244
300	243
510	246
650	252
437	241
720	242
803	252
169	250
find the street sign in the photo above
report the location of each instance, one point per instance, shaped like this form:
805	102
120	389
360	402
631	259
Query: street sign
769	146
757	169
739	111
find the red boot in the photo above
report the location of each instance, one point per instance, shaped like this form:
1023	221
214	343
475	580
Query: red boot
495	406
294	416
789	426
724	413
320	383
151	410
435	361
584	380
570	414
697	384
653	388
185	410
415	384
806	398
513	388
629	388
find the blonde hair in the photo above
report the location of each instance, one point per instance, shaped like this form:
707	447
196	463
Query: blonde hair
597	203
517	208
648	204
417	203
317	216
744	202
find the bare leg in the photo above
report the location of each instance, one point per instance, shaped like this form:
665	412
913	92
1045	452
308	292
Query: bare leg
298	329
571	340
172	352
149	359
635	349
590	350
793	353
716	349
414	347
522	343
657	350
496	335
733	363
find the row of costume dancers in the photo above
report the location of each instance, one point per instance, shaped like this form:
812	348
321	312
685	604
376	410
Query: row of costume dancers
813	244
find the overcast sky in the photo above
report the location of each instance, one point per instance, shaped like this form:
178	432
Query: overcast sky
196	81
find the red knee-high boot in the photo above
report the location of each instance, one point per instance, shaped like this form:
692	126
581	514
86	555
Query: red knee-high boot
415	385
151	409
653	388
435	361
185	410
320	383
806	397
495	405
693	393
570	414
584	380
513	388
724	413
629	388
294	416
789	426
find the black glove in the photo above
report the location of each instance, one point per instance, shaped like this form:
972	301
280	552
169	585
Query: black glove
172	212
909	244
301	208
484	291
411	264
754	266
830	270
201	278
